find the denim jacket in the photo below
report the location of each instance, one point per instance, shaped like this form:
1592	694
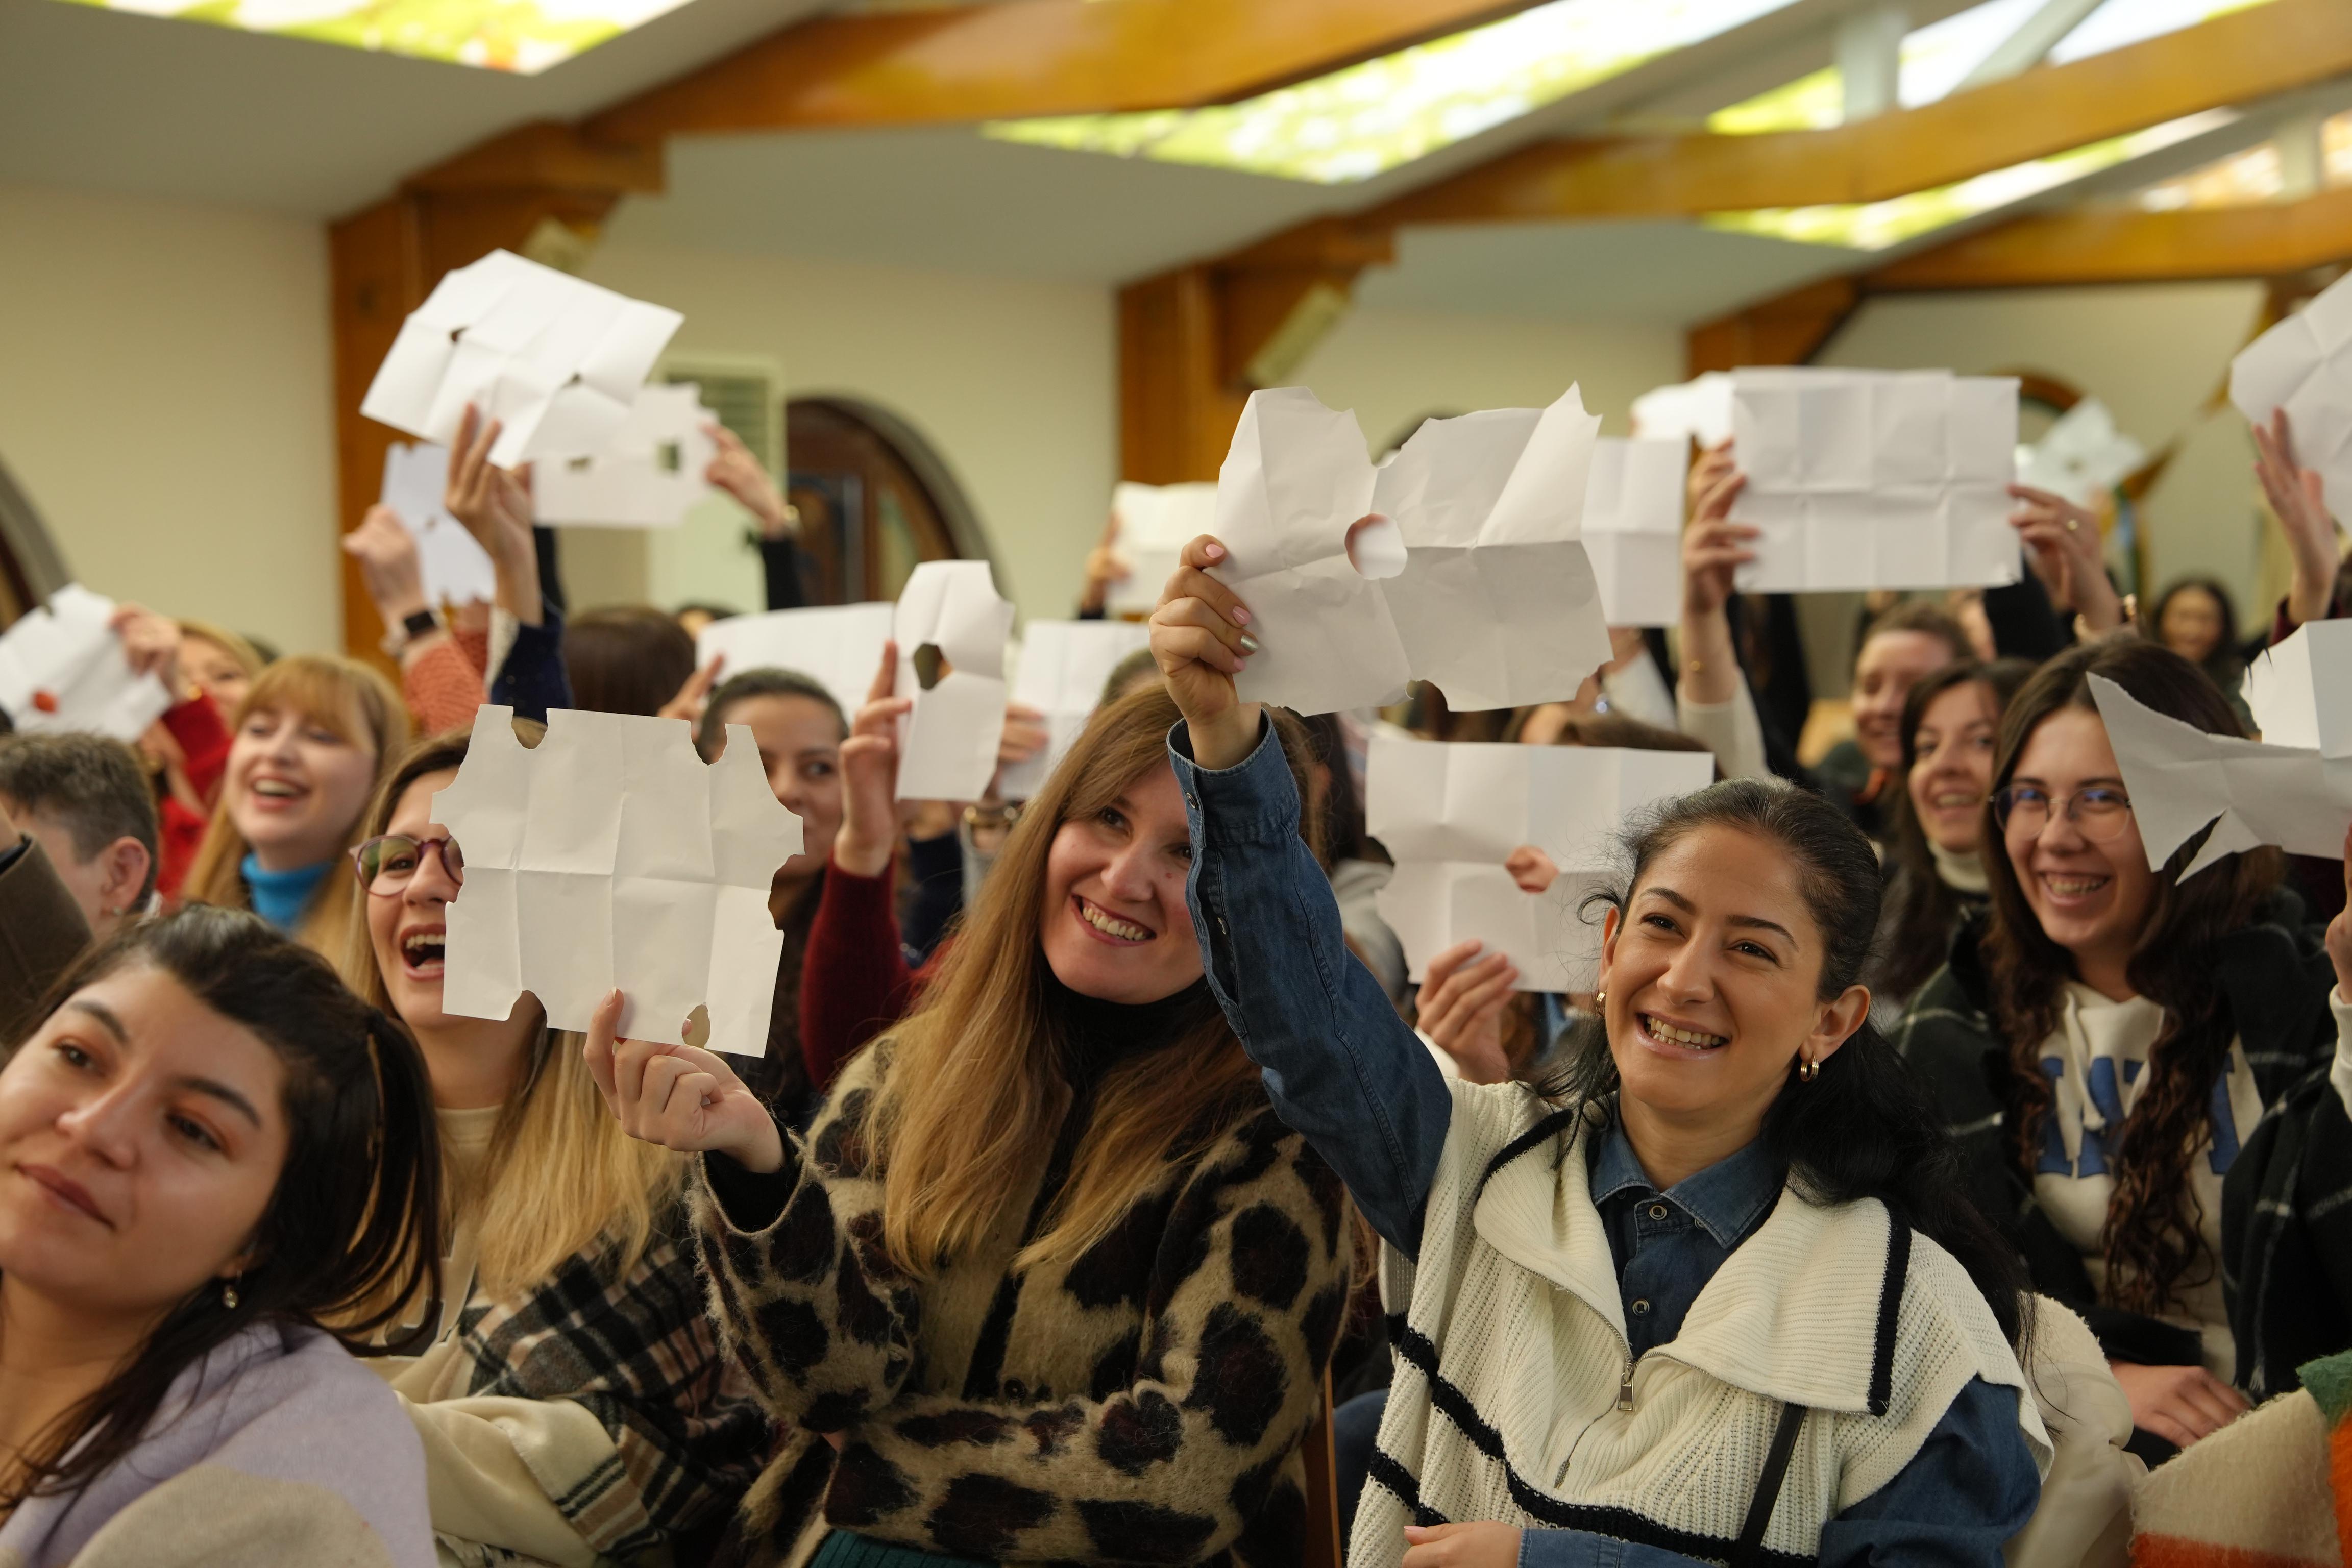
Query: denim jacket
1345	1070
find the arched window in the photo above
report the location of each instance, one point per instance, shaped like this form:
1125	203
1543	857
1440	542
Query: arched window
873	498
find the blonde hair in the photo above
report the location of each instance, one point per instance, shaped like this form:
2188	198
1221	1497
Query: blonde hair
561	1176
355	701
975	1092
239	648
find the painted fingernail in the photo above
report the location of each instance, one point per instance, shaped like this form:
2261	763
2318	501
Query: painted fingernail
1249	643
1241	614
1214	552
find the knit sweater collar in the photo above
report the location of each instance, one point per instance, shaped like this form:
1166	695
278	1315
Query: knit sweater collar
279	897
1098	1034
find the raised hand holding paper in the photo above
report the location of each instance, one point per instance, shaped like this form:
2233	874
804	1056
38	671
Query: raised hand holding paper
62	667
2303	365
838	644
1156	522
1465	567
558	362
611	855
1633	529
646	476
1063	667
456	569
1452	813
950	628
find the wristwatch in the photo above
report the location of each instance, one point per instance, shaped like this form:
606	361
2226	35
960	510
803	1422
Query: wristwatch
417	625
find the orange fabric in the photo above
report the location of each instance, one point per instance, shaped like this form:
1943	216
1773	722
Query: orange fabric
443	687
2172	1552
2339	1482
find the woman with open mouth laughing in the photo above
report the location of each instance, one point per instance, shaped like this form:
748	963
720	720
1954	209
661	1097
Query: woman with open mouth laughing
1712	1293
2138	1065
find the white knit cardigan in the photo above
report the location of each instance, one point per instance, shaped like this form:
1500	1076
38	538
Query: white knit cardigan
1516	1399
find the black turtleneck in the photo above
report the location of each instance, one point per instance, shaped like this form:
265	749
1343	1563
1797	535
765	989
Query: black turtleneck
1096	1036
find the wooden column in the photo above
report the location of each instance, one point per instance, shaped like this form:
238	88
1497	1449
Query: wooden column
1789	330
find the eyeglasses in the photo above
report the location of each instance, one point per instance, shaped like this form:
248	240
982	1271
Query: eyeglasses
2099	814
387	861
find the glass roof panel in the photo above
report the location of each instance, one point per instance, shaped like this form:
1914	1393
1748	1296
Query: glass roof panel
2251	177
521	35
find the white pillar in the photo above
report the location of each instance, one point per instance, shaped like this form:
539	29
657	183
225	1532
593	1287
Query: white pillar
1870	58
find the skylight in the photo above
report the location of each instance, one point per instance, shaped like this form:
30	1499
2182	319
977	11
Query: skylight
2250	177
1369	117
521	35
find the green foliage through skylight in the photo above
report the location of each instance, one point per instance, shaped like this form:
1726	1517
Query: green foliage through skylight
521	35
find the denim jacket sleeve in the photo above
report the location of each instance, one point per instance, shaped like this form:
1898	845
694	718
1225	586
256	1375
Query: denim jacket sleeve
1340	1065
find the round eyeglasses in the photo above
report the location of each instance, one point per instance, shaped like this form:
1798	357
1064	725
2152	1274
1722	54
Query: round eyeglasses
387	861
2100	813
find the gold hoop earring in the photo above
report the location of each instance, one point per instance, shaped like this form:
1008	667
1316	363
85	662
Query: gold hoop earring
1811	1070
1599	997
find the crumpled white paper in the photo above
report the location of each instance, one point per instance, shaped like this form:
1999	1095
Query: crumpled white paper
2082	456
1155	523
1452	813
456	568
2297	796
1468	573
1696	410
2304	365
561	362
1061	673
947	743
611	854
647	476
1875	479
1633	529
838	646
62	667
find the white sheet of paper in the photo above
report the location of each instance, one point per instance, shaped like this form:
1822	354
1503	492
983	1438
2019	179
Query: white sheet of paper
62	667
1155	523
1875	479
2082	456
1696	410
456	567
1452	813
1633	529
647	476
2300	690
2182	778
611	854
558	360
839	645
947	743
1061	672
2304	365
1475	578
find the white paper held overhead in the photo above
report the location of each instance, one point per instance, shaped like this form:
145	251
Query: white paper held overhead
558	360
1633	530
1155	523
2082	456
2300	690
1063	667
62	667
839	645
456	568
1696	410
646	476
950	628
2304	365
611	855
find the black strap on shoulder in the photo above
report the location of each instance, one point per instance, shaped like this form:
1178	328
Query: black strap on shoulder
1750	1552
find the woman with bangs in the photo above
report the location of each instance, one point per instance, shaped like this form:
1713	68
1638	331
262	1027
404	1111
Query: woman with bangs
572	1400
311	742
2138	1065
1047	1281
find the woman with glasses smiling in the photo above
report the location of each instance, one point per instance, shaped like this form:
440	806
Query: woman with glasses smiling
2138	1065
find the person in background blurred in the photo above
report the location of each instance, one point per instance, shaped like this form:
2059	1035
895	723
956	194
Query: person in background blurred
85	798
315	737
218	662
186	750
2194	618
626	659
692	618
736	471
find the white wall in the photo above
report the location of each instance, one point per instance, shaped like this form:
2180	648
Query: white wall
165	401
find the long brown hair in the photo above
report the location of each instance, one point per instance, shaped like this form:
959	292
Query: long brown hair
2150	1241
355	701
560	1177
975	1090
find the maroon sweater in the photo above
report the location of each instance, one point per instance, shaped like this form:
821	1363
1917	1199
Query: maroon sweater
854	981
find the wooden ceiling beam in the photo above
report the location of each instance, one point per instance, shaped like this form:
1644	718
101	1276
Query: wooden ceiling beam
1019	58
2126	245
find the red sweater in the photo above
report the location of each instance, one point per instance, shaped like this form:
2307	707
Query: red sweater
854	981
203	739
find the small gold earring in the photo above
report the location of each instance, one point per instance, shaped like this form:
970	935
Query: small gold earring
1811	1070
1599	997
228	1294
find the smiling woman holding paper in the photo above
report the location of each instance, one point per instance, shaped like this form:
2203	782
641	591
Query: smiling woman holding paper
1716	1296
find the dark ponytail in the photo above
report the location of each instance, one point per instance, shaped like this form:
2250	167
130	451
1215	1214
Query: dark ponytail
1863	1128
351	1238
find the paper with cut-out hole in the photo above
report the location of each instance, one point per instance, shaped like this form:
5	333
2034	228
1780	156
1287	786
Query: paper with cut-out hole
1155	523
839	645
2292	788
1451	814
1495	602
1062	670
1874	478
62	667
1633	529
456	568
646	476
949	611
610	854
558	360
2304	365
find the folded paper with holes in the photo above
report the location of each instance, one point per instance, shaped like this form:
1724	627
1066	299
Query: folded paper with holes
558	362
456	568
611	854
62	667
1633	530
2303	365
839	645
1155	523
1696	410
1062	668
2182	779
950	628
1875	479
2082	456
1452	813
646	476
1468	571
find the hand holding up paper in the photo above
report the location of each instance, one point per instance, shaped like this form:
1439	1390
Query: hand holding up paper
951	627
63	667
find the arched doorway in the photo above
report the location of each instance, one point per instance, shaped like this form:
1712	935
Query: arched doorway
874	499
30	567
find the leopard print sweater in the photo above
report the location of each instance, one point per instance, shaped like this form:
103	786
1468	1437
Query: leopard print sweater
1143	1404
